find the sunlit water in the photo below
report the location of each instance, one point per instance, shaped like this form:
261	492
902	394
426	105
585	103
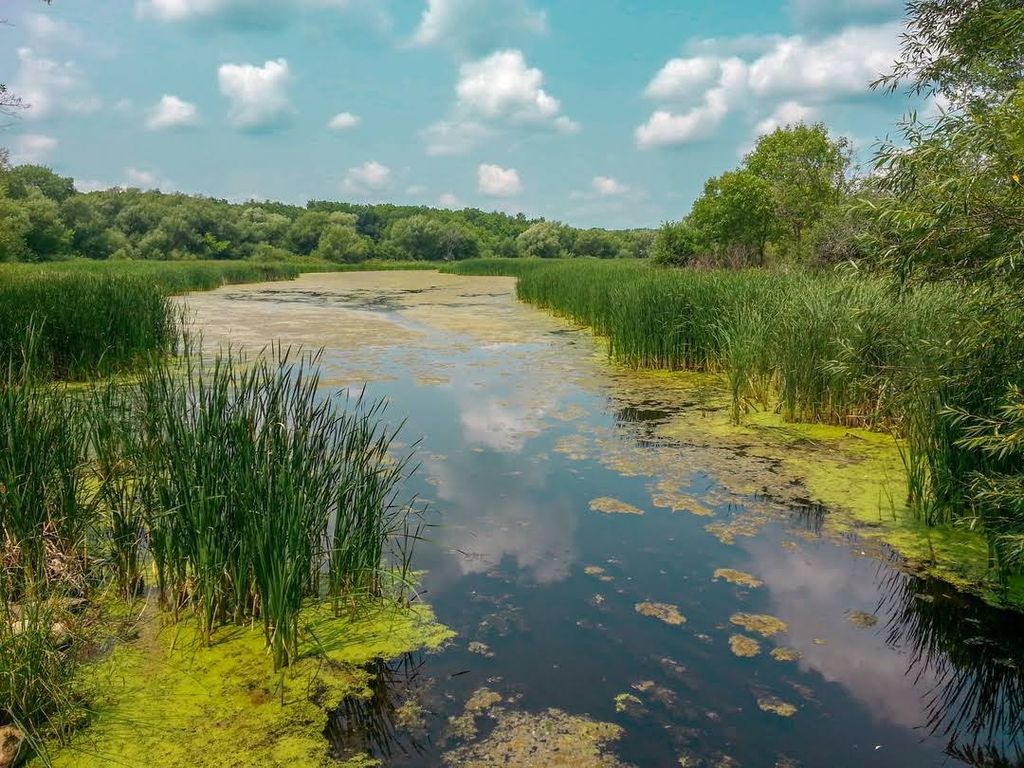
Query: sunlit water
893	670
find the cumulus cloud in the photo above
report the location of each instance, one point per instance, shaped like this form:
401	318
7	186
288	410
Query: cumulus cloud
474	26
787	113
495	181
43	28
258	96
450	201
51	87
171	112
343	121
32	148
696	94
366	178
145	179
493	94
606	186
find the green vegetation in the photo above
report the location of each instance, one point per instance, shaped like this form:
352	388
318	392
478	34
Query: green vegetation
247	496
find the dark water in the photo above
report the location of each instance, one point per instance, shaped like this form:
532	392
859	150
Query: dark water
936	680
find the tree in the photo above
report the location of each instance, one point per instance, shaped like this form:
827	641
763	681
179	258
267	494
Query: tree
424	237
304	233
675	245
545	240
22	179
46	237
14	225
341	243
950	196
596	244
805	169
736	216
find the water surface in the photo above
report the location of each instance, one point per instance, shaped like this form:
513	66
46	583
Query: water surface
519	425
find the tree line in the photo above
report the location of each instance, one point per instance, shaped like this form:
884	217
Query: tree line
43	218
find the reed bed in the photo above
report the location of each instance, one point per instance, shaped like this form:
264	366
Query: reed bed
941	367
492	267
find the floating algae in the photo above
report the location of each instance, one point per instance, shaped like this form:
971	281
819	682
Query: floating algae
628	703
480	648
165	699
551	739
762	624
463	727
786	654
743	646
738	577
666	612
612	506
862	619
776	706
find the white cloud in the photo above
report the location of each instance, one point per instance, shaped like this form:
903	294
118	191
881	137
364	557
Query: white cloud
787	113
43	28
343	121
171	112
258	95
608	187
368	177
680	77
136	177
780	72
473	26
416	189
51	87
32	148
450	201
495	181
496	93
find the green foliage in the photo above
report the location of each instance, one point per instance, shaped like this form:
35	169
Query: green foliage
340	242
423	237
544	240
805	169
676	245
596	244
22	180
736	216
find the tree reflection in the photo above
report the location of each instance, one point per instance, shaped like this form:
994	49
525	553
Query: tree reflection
973	652
377	724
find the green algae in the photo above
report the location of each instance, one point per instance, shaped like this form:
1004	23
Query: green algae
862	619
762	624
627	702
786	654
665	612
740	578
744	647
550	739
612	506
167	699
776	706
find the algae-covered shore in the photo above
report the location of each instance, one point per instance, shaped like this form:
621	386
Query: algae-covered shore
164	697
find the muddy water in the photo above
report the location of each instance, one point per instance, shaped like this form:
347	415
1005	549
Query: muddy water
623	598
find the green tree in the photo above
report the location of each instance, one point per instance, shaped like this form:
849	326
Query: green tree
736	216
545	240
676	244
424	237
304	233
22	179
596	244
341	243
805	169
14	226
46	237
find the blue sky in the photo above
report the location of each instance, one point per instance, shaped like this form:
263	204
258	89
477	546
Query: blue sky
596	112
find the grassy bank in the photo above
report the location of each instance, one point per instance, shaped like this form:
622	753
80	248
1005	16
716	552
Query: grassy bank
941	367
227	493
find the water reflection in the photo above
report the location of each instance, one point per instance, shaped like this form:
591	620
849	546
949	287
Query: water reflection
969	652
386	723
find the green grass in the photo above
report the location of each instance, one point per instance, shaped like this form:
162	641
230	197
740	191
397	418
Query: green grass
492	267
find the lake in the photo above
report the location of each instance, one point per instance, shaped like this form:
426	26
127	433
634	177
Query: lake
624	594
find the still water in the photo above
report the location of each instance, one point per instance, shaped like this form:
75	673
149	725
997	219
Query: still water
561	518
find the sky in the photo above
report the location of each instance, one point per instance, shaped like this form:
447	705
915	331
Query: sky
608	113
